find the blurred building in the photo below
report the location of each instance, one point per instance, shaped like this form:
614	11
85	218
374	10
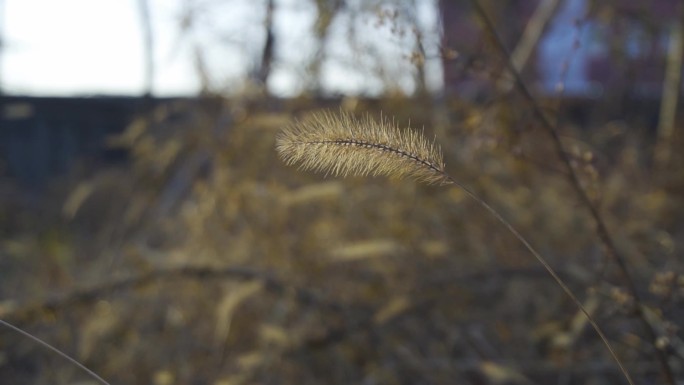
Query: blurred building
616	47
43	136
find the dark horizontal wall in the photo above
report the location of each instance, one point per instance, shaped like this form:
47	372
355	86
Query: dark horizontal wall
42	137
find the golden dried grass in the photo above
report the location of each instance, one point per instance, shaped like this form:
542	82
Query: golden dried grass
343	145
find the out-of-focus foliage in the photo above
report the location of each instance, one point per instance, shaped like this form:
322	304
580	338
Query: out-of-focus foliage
317	46
206	260
358	280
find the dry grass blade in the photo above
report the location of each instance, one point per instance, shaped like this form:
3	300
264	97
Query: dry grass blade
55	350
342	145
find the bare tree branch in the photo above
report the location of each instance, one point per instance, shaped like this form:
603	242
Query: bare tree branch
601	227
86	294
529	39
671	85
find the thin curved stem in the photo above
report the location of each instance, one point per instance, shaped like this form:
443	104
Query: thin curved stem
602	231
549	269
54	349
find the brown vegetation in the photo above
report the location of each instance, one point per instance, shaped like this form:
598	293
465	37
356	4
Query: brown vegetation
205	259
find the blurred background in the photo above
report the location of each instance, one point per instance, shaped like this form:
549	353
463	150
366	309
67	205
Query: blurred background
148	228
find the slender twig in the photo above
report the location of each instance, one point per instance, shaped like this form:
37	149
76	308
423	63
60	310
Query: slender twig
550	270
343	145
601	227
54	349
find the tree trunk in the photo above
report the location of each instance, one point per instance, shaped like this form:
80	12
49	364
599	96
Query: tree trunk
267	53
671	85
148	45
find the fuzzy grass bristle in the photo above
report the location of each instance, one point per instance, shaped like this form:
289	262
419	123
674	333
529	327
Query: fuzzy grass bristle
342	145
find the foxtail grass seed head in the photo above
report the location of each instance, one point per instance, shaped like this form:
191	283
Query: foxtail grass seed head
340	144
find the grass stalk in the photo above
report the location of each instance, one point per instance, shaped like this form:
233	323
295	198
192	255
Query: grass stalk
602	231
342	145
55	350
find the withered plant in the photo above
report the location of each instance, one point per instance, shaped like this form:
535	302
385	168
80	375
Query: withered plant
343	145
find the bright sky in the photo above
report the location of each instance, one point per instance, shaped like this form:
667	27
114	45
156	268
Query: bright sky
86	47
77	47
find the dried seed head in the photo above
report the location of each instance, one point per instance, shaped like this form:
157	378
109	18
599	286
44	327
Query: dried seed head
341	145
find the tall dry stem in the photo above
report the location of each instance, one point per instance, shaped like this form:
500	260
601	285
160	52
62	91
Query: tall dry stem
341	145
